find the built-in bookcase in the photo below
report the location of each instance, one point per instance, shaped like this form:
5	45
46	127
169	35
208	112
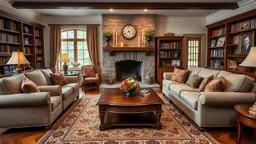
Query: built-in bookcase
19	34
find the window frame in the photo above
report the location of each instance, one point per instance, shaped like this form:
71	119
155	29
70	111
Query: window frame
199	50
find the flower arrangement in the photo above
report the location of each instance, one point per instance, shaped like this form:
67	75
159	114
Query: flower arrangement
107	34
75	65
129	86
149	34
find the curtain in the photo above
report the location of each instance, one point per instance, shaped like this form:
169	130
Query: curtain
92	43
55	47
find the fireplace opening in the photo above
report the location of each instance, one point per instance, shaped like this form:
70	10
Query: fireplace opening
128	68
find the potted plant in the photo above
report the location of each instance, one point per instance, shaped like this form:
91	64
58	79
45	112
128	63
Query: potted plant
176	53
149	36
107	35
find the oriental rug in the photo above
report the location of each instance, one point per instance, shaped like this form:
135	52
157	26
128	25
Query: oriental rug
80	125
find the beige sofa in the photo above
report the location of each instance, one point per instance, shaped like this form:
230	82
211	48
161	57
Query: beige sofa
211	109
18	109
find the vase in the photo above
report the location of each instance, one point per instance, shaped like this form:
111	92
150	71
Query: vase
130	92
107	38
149	40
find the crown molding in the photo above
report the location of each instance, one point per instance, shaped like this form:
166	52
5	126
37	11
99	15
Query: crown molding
188	19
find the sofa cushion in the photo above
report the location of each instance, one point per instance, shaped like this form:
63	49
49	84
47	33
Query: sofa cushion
238	83
208	72
204	83
194	81
167	83
191	98
37	77
176	89
180	75
223	73
58	79
66	92
28	86
75	86
47	75
55	102
216	85
12	84
2	90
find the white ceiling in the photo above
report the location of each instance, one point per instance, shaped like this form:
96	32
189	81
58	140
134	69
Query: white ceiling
97	12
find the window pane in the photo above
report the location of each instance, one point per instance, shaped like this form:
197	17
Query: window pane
71	34
64	35
80	34
84	34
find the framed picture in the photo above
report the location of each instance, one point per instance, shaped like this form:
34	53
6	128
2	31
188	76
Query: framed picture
221	42
175	62
6	70
213	42
246	41
245	25
216	64
232	64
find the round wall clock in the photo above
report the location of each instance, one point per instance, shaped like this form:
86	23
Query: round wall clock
129	31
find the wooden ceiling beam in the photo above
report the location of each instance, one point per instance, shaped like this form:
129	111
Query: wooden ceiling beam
103	5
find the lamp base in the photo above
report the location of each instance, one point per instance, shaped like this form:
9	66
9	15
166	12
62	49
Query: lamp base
18	69
65	68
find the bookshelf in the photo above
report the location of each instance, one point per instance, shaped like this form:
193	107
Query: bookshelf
168	55
232	31
20	34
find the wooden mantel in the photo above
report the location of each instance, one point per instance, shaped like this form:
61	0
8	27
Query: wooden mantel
112	50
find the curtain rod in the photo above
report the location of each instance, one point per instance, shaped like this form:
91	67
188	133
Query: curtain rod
73	24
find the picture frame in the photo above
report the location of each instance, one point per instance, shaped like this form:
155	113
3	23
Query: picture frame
213	43
216	64
6	70
175	62
232	64
245	25
221	42
246	41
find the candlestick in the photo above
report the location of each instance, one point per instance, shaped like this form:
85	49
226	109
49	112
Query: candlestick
138	40
142	38
116	39
113	37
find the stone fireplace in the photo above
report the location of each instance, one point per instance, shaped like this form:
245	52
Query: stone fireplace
128	68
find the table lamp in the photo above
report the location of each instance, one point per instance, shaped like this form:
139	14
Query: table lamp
18	58
65	59
250	61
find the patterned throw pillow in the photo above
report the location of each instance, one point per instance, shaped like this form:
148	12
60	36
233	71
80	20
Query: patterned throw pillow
28	86
58	79
194	81
216	85
88	71
180	75
205	81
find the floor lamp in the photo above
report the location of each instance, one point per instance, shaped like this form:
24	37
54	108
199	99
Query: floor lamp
18	58
250	61
65	59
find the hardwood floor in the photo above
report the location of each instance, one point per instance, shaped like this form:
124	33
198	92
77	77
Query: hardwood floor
32	135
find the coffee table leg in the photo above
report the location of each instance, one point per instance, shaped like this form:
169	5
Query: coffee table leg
102	125
240	131
158	123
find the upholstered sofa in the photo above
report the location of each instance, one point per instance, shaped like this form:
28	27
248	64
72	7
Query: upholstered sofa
210	109
18	109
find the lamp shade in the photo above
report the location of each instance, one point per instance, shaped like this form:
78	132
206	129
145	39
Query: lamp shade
18	58
64	58
250	60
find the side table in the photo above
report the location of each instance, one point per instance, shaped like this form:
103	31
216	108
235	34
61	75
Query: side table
243	117
74	74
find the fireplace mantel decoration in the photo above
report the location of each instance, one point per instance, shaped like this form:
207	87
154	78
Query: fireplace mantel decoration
112	50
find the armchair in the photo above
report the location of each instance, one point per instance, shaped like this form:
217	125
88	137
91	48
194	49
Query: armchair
91	75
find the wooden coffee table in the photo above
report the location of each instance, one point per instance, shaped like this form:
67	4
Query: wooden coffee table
118	110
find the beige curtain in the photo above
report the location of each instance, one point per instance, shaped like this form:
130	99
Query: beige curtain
55	46
92	43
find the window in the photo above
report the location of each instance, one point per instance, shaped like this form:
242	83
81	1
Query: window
193	45
73	43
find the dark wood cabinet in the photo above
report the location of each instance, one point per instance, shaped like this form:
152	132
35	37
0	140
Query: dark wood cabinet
168	55
20	34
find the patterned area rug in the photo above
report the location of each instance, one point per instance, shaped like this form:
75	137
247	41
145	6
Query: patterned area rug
80	125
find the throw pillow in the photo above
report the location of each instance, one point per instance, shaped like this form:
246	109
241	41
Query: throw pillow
88	71
37	77
180	75
58	79
205	81
12	85
194	81
216	85
28	86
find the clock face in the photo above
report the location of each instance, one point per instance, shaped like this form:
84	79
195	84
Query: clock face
129	31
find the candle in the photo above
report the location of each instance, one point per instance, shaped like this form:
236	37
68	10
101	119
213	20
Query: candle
138	40
142	38
113	34
122	44
116	39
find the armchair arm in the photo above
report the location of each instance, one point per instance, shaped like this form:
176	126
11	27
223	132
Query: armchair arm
225	98
167	75
72	79
24	99
54	90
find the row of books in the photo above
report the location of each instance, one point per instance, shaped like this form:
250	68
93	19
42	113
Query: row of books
169	54
37	33
38	42
38	50
7	49
27	50
218	32
173	45
5	24
165	63
217	53
235	39
4	60
245	25
4	37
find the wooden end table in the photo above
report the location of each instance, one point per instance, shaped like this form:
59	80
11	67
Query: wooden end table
243	117
118	110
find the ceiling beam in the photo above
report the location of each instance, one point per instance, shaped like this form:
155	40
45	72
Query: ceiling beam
103	5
